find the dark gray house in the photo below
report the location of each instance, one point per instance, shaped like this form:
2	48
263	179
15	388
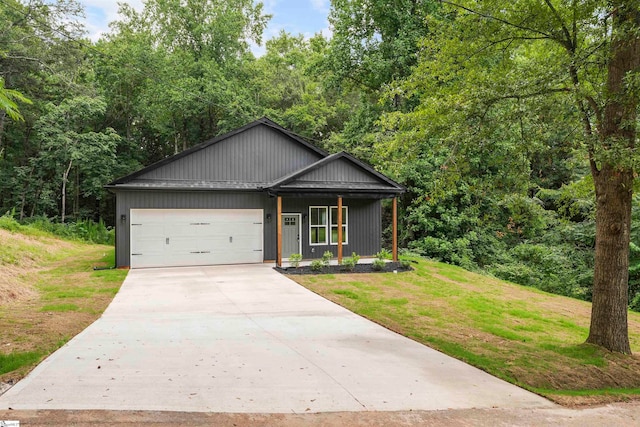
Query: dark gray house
257	194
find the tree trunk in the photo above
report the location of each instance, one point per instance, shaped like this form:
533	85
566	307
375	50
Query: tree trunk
3	116
23	197
614	187
611	273
65	176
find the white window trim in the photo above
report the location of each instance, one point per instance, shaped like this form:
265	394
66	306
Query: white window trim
326	226
346	226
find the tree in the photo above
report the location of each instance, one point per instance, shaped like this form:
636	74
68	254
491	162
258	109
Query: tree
289	87
376	41
68	140
43	57
180	70
585	55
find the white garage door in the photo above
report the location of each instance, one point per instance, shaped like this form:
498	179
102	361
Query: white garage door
182	237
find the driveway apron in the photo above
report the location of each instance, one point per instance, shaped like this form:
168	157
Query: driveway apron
246	339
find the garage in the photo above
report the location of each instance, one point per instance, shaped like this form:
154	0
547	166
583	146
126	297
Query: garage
188	237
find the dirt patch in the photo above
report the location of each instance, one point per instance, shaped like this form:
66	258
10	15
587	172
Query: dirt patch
20	257
621	414
11	291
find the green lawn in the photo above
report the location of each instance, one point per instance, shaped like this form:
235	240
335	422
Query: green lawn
525	336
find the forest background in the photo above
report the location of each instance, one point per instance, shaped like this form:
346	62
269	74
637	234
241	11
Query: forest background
483	130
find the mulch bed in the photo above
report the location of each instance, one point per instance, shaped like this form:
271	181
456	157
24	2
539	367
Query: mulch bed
338	269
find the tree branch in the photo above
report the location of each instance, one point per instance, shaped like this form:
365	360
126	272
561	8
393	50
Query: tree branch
569	40
529	95
506	39
503	21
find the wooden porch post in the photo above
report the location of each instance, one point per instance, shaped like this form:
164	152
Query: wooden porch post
394	249
339	230
279	228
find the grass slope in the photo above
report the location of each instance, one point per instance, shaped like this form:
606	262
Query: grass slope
522	335
48	294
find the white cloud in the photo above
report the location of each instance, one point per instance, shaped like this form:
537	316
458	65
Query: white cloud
321	5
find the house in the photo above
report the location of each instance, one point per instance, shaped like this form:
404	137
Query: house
257	194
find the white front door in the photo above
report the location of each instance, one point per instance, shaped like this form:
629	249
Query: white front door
182	237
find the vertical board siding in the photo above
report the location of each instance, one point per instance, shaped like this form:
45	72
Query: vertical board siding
364	224
127	200
339	171
259	154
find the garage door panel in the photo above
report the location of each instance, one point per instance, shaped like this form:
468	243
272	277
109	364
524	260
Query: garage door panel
182	237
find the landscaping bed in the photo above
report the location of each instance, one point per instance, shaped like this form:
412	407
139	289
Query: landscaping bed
389	267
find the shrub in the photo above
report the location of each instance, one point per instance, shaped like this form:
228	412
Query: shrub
405	263
635	303
383	254
295	259
378	264
7	222
326	258
317	265
350	263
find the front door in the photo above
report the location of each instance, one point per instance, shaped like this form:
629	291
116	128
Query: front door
290	235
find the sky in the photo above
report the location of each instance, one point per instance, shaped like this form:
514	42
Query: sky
306	17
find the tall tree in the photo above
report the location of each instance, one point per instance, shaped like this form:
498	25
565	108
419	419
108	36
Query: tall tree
289	87
484	55
69	140
185	65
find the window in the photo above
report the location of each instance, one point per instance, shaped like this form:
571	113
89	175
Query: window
334	225
323	225
318	225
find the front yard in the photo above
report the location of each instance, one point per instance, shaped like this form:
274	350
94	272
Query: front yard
525	336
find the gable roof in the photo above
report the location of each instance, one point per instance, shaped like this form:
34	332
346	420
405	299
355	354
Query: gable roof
255	161
356	177
262	121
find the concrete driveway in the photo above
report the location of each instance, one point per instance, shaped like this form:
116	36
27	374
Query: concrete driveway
247	339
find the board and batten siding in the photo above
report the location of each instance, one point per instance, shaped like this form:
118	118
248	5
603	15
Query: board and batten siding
338	171
127	200
259	155
365	228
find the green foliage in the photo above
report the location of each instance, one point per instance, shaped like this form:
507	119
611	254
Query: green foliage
326	258
349	263
294	260
8	98
317	265
383	254
378	264
7	222
83	230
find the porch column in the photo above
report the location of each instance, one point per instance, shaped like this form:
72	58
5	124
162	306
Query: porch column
279	228
339	229
394	249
